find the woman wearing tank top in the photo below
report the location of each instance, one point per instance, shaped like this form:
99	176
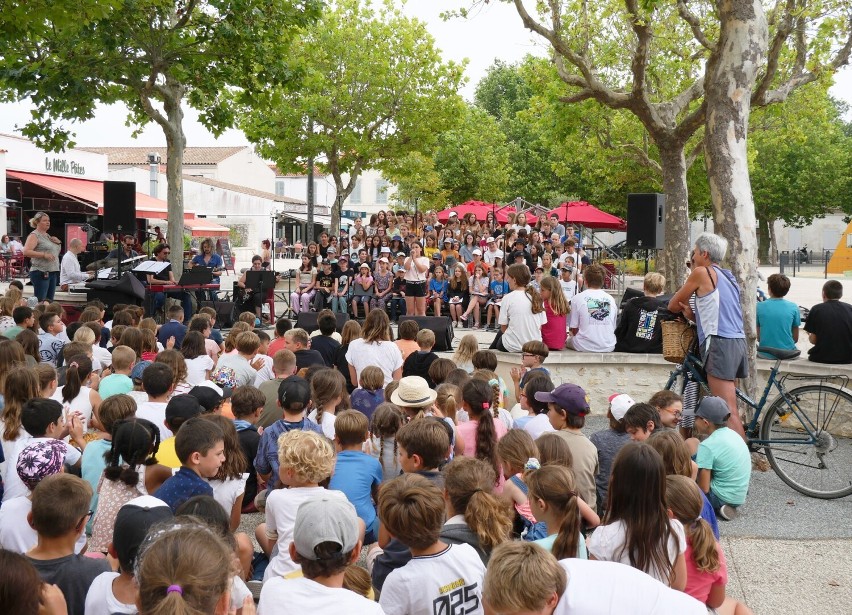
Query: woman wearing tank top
43	251
719	317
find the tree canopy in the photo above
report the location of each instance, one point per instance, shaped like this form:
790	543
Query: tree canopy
375	89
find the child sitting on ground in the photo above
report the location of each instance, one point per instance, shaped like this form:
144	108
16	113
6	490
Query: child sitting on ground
670	407
328	392
370	392
438	575
385	423
200	447
115	592
475	516
419	362
305	460
641	420
568	406
706	570
609	442
59	515
517	453
357	474
575	586
325	558
246	406
123	359
554	502
724	462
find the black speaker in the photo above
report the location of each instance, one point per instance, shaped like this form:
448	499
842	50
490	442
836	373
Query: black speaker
127	290
441	326
224	312
308	321
119	207
645	221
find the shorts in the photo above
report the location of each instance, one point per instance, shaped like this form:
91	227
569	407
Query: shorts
725	358
415	289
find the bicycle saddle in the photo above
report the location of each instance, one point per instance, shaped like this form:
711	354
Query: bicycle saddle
778	353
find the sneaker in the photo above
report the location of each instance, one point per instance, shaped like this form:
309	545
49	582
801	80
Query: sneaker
728	512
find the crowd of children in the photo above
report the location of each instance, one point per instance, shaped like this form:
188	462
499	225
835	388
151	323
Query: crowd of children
408	487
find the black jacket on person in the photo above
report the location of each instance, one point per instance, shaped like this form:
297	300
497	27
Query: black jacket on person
639	328
418	364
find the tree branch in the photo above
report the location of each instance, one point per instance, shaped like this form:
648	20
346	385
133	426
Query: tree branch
639	63
785	24
641	156
187	13
695	25
694	153
688	96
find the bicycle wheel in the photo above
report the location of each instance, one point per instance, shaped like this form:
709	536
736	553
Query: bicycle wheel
812	448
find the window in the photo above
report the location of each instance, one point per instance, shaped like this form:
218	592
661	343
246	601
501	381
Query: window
280	187
381	192
355	197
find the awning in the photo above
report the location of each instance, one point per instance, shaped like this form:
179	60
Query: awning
202	227
324	220
91	193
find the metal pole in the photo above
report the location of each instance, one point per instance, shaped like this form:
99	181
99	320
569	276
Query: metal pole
310	222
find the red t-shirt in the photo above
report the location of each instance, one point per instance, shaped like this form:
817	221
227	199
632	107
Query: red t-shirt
554	332
274	346
699	584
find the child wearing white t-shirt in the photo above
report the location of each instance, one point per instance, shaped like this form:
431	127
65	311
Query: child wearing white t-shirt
575	586
327	539
439	578
305	460
593	315
521	312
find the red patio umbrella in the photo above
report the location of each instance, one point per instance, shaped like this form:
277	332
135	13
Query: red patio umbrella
503	215
478	208
581	212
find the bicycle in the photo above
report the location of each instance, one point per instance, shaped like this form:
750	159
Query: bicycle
806	432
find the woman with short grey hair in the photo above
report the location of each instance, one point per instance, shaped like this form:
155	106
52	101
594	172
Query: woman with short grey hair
719	317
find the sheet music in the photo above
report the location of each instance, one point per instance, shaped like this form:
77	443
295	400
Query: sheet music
151	266
133	259
105	273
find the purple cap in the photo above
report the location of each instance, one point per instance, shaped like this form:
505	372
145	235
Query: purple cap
570	397
40	460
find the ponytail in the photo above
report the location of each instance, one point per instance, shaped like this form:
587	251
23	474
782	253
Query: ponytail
537	305
555	486
469	484
134	442
705	551
79	368
684	499
479	396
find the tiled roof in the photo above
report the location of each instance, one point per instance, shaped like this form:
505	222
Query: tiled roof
317	172
242	189
191	155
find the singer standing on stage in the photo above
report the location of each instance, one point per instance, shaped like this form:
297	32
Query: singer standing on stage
69	272
416	271
43	251
208	258
161	255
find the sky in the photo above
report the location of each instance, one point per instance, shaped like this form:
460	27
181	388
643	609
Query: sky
492	32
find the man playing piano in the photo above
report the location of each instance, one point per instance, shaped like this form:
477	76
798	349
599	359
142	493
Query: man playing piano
69	271
161	254
126	250
208	258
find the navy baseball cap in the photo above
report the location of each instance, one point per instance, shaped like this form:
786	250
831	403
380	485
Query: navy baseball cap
570	397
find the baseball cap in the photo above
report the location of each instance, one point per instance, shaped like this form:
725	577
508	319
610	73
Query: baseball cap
436	256
714	410
619	404
490	240
518	253
477	251
184	406
327	262
429	227
294	390
331	249
400	253
325	519
448	240
136	372
385	250
519	241
383	260
207	398
567	267
343	257
367	265
132	524
39	460
452	213
333	261
570	397
397	238
539	268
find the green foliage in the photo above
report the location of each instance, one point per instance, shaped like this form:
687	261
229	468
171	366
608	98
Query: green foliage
375	89
473	159
417	179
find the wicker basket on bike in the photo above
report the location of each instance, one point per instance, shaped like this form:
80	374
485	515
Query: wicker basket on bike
678	337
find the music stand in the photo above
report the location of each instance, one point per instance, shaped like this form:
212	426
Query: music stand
260	281
196	276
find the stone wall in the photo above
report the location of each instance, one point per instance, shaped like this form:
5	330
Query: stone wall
639	375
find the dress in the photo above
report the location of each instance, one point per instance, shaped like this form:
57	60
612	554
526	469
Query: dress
112	495
382	283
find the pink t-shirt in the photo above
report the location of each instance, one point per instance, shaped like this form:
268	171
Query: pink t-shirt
555	331
467	432
698	584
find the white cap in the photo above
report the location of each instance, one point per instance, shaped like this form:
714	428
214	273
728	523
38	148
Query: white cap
489	240
477	251
619	404
383	260
384	249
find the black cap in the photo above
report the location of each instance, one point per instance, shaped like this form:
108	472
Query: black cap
206	397
132	524
294	390
183	407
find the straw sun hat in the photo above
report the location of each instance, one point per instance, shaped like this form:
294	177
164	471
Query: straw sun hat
413	392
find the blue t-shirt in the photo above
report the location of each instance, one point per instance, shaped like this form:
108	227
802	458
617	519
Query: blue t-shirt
356	474
498	289
114	384
215	262
92	465
180	487
438	287
776	319
366	401
726	455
